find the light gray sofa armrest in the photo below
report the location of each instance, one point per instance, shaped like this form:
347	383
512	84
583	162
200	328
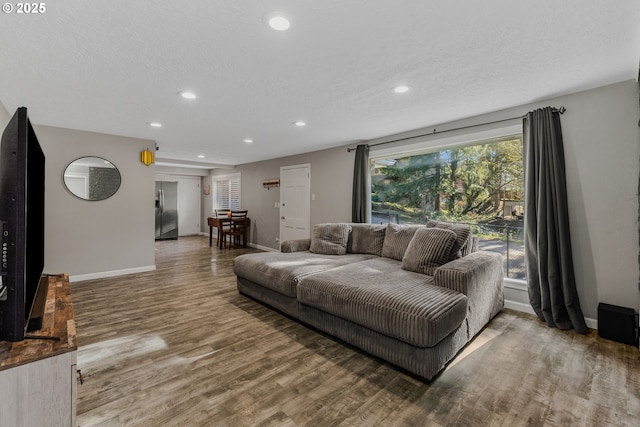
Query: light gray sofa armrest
479	276
299	245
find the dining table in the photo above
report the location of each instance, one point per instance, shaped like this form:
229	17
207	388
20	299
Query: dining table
219	222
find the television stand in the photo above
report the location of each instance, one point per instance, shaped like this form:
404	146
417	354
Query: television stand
38	375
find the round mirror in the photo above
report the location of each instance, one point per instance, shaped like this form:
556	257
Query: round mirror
92	178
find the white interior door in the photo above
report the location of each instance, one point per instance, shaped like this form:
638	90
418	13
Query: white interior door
295	202
77	184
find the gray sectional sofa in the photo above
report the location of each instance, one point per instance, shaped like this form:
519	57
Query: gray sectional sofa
411	295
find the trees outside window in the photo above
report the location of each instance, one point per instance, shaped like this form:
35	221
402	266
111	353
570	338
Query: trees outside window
480	184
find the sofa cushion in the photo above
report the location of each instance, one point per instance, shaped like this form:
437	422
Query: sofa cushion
463	237
330	239
471	246
396	240
295	245
366	239
429	249
280	271
381	296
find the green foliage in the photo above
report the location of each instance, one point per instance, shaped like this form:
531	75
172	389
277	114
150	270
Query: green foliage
466	183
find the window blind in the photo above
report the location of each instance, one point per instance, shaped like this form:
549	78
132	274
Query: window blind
227	192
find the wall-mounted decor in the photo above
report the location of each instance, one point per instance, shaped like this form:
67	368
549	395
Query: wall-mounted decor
92	178
268	183
146	157
206	190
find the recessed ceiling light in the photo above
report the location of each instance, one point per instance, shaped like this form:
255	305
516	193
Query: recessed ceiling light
188	95
401	89
300	123
279	23
248	141
201	156
155	124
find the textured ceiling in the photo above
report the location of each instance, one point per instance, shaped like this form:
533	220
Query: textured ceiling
114	66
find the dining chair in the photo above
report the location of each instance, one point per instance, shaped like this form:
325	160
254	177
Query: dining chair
236	230
221	214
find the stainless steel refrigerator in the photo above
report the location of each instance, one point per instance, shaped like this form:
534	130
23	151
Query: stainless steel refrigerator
166	210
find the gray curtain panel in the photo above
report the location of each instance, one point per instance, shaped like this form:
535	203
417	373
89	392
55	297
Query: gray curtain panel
549	261
360	194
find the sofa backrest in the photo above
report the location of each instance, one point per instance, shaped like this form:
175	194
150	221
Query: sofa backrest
392	240
366	238
397	238
464	237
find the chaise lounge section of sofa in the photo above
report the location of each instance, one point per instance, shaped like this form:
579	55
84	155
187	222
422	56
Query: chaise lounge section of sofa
411	295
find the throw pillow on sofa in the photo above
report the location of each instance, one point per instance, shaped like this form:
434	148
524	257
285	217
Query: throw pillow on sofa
330	239
396	240
366	239
463	237
429	249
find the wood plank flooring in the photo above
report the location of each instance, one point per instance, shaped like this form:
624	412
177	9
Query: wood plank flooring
180	347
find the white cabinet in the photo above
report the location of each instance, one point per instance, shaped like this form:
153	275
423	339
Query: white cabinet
38	376
40	393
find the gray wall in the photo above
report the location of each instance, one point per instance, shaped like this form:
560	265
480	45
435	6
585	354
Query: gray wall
102	238
602	141
331	178
602	147
96	239
4	117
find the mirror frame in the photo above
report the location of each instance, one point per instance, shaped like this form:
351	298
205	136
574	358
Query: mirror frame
86	161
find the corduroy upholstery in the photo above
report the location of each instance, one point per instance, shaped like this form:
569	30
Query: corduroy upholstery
286	304
416	321
429	249
330	239
366	239
280	272
298	245
479	276
387	299
463	234
396	240
425	362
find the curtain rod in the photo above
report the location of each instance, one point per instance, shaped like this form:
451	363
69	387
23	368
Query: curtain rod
560	110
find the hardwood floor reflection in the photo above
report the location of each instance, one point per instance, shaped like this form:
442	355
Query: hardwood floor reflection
180	346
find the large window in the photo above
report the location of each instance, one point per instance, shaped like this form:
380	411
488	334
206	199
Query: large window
480	184
226	192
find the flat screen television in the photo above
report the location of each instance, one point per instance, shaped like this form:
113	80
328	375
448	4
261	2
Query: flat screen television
22	177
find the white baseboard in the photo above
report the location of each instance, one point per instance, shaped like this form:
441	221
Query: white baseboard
518	306
526	308
251	245
591	323
112	273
